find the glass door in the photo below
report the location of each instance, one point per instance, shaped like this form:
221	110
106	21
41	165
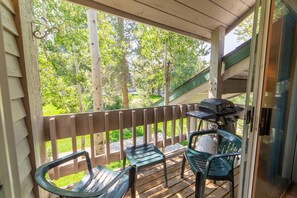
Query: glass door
276	142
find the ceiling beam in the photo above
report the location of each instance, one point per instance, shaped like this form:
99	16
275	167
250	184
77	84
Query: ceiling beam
111	10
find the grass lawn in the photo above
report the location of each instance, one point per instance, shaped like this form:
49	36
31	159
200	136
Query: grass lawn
74	178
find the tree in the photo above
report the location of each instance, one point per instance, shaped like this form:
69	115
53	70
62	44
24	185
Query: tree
244	30
132	55
57	53
186	58
123	64
96	74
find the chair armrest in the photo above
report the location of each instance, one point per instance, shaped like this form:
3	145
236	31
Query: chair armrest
43	169
199	133
223	155
208	162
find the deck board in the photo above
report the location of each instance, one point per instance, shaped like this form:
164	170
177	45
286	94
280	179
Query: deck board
150	182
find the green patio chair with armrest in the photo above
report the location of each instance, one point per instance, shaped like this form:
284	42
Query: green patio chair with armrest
212	166
98	182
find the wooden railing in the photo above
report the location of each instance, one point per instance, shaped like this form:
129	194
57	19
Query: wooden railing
79	124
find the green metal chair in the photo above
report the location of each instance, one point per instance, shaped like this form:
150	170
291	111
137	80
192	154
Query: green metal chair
98	182
212	166
145	155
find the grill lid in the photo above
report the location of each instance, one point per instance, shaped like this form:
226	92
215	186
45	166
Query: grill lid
217	106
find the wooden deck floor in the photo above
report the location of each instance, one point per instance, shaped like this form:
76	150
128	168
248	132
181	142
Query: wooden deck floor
150	181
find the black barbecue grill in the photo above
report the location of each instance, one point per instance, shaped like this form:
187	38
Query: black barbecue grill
223	113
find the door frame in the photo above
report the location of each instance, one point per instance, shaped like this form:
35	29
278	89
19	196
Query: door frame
293	122
264	35
257	65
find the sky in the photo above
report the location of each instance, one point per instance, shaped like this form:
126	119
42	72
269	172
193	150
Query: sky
231	42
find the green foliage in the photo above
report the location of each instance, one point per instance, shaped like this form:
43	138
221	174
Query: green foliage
58	52
115	165
116	103
69	179
185	55
65	145
50	109
244	30
64	57
184	142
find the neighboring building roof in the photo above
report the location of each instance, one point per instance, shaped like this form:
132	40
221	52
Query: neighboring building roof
199	82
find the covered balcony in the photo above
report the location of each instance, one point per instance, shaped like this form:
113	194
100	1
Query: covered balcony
205	20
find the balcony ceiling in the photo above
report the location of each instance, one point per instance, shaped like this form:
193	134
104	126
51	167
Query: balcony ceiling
194	18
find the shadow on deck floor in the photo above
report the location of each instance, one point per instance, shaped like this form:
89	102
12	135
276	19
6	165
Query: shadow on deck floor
150	181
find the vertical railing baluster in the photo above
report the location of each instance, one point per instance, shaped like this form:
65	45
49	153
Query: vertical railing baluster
107	137
134	127
164	131
121	129
181	125
149	133
196	119
155	126
145	126
173	124
92	141
53	136
74	146
188	121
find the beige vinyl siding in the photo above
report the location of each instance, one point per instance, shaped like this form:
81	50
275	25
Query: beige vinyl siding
16	96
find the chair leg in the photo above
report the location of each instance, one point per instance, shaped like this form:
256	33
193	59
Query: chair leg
132	180
231	189
199	186
133	191
183	167
202	187
165	173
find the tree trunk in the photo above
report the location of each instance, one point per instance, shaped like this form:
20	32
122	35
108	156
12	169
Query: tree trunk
159	91
123	65
83	139
125	83
96	74
166	76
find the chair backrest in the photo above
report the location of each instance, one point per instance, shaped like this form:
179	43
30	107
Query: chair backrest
229	143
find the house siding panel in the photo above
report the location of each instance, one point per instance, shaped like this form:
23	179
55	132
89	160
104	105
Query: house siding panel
15	87
13	68
27	186
10	34
9	5
11	46
23	150
8	22
20	131
24	170
18	110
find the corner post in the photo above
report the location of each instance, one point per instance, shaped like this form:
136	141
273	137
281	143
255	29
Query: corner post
217	52
31	84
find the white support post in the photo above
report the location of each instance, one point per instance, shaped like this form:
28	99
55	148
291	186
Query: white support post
217	51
